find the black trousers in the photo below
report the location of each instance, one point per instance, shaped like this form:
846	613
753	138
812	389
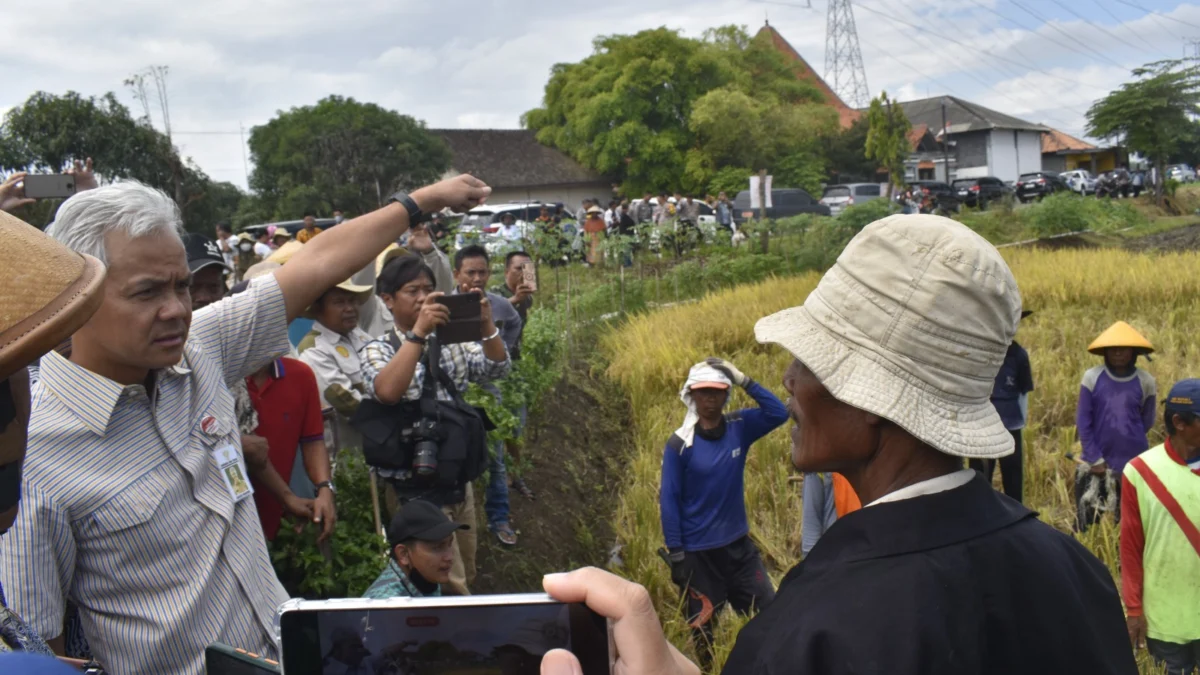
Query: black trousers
1012	468
732	574
1179	659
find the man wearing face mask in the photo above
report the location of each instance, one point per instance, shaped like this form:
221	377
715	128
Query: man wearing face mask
49	292
894	358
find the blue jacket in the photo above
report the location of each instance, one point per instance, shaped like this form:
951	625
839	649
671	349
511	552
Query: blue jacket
702	500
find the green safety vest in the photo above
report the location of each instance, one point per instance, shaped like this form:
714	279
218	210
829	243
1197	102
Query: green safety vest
1168	496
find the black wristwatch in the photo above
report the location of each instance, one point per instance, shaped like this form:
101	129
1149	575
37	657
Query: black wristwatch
325	484
415	215
410	336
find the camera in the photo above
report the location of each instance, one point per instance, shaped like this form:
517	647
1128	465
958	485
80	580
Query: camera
425	434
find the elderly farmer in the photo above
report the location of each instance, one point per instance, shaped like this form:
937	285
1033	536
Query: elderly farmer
702	500
137	507
1116	411
49	292
895	355
1160	542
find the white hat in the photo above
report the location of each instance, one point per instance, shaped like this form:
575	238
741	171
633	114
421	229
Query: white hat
912	324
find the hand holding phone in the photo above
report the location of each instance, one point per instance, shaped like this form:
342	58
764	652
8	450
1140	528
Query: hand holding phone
49	186
465	320
530	279
434	314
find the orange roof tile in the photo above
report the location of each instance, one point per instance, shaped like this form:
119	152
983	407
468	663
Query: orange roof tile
846	115
1056	141
916	134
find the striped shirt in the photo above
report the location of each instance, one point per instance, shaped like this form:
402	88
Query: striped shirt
124	511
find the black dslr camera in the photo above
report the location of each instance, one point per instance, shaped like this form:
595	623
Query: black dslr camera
426	435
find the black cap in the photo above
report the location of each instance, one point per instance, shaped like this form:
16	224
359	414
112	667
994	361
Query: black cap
423	521
202	252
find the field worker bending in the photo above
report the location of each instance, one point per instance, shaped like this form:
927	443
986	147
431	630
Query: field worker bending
702	501
1116	410
1160	542
894	356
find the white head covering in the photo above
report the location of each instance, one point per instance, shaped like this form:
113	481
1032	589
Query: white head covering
701	372
912	324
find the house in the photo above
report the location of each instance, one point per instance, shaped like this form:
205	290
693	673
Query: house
519	168
846	115
928	159
981	141
1063	152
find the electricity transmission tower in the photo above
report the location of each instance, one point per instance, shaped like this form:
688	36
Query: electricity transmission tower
843	59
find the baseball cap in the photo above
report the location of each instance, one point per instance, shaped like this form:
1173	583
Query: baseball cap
202	252
423	521
1184	396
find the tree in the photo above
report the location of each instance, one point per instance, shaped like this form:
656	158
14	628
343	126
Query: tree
657	110
887	137
48	132
846	153
1152	114
341	154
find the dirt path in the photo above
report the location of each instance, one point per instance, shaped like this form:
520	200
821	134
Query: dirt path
573	463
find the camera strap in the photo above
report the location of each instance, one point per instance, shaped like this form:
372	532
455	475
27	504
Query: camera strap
433	373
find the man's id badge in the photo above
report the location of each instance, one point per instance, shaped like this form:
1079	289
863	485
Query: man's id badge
233	472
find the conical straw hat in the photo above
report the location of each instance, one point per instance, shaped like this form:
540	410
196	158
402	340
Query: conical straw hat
1120	334
47	291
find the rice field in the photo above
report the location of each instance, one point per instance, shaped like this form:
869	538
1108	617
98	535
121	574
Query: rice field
1075	294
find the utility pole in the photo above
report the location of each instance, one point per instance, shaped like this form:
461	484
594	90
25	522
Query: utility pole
945	137
843	59
1191	48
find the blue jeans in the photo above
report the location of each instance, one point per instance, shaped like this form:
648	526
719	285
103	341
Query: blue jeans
496	503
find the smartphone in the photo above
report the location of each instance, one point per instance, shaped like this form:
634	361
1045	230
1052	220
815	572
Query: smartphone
467	634
221	659
530	272
49	186
466	319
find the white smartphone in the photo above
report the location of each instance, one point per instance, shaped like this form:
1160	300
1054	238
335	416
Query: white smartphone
48	186
469	634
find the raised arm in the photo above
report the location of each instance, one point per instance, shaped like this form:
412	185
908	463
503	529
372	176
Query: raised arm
349	247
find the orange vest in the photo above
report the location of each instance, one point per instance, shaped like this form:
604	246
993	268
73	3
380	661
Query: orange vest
845	499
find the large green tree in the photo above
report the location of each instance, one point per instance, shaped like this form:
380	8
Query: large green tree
340	154
657	110
846	154
887	137
48	132
1152	114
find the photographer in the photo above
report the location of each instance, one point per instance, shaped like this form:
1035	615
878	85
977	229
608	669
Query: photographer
394	370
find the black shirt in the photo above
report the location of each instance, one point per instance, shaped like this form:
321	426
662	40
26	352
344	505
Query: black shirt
961	582
522	311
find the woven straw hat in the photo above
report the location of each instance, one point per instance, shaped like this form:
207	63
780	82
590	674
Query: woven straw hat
1121	334
361	295
389	253
912	324
48	291
284	253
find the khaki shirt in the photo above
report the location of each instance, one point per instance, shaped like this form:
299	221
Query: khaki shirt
334	358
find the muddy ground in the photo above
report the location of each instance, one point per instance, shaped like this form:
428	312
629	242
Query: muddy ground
572	462
1181	239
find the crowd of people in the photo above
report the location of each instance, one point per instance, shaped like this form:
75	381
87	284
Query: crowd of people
155	419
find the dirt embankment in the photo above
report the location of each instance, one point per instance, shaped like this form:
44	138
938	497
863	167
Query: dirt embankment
1180	239
572	462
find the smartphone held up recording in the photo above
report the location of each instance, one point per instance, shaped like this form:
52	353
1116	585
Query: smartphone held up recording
530	278
48	186
502	634
466	319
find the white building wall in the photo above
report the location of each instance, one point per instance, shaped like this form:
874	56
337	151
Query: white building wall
1002	154
1029	151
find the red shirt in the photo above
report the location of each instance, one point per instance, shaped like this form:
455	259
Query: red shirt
289	414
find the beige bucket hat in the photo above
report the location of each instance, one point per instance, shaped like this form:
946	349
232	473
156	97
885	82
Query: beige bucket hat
47	291
912	324
361	295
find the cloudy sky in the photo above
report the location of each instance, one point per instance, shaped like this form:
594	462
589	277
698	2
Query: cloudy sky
481	63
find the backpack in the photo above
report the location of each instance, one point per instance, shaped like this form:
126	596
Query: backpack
388	430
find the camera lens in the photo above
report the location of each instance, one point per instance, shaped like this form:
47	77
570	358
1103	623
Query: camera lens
425	458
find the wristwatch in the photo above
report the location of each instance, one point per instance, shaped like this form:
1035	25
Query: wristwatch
410	336
326	484
415	215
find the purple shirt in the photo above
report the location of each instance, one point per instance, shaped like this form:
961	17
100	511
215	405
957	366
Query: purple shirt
1114	415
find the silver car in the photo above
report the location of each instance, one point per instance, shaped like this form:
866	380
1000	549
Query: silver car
838	197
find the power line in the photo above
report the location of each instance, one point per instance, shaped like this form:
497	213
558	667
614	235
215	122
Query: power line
1032	31
1039	17
1123	24
1156	13
1096	25
209	133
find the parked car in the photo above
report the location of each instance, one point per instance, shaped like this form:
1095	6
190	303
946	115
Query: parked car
838	197
1182	173
979	192
482	223
1038	185
1080	180
942	196
707	215
784	202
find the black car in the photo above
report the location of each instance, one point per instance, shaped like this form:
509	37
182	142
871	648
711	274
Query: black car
784	202
979	192
1036	185
942	197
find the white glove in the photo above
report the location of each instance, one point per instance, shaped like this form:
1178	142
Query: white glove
738	377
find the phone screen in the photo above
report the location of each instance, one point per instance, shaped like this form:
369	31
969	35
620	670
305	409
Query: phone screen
507	639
